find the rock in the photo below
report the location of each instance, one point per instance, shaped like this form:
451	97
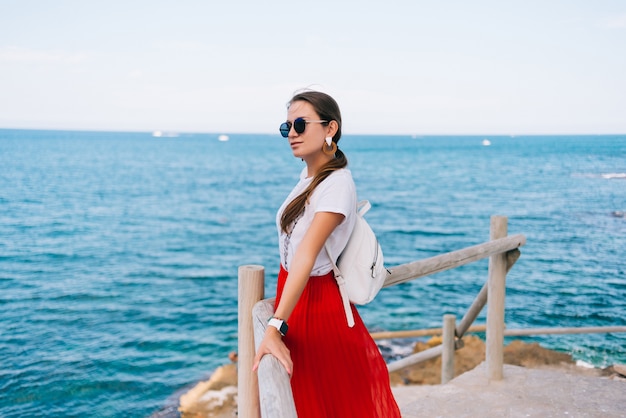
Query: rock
620	369
216	397
519	353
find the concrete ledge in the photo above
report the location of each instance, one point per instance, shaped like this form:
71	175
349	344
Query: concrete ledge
523	392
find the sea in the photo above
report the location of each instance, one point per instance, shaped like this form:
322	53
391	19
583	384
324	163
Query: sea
119	251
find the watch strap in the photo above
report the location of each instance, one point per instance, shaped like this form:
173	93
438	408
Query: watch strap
279	324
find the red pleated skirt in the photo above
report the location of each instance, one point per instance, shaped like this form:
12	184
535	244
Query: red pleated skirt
338	371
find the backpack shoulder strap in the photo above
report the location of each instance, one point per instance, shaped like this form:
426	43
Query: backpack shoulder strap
362	208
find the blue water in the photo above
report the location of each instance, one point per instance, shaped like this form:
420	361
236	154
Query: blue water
119	251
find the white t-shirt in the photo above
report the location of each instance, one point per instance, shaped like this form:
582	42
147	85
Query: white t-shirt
336	194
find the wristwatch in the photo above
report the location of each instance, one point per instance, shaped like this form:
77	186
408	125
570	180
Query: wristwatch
279	324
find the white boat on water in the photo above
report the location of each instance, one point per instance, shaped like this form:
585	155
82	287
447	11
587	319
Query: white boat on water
486	142
161	134
223	138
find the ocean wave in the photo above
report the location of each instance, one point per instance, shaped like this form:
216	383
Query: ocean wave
614	176
607	176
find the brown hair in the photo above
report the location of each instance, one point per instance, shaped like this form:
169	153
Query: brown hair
327	109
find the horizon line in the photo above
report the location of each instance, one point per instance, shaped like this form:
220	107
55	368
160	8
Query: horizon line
175	133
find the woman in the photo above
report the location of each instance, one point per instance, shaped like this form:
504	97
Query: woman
336	370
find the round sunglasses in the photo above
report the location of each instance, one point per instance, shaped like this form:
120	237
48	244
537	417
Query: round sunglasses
298	125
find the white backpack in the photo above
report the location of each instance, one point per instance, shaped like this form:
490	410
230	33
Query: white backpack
359	271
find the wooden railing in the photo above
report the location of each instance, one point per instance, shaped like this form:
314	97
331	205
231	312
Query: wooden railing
273	398
503	252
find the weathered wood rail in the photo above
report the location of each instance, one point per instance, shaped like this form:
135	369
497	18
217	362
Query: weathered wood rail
272	397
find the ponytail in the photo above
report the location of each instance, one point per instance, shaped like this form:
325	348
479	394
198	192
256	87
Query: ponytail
296	206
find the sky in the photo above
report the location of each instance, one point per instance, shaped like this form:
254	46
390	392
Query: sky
395	67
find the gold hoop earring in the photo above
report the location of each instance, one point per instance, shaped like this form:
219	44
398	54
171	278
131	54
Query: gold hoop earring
329	149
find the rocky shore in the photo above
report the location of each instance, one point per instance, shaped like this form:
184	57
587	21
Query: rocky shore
217	397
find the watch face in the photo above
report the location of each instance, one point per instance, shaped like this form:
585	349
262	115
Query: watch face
283	328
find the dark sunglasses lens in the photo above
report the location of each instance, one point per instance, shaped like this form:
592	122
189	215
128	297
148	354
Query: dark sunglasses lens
284	129
299	125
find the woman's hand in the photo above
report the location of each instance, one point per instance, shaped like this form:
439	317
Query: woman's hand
273	344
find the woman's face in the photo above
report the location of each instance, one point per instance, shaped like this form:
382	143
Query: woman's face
308	144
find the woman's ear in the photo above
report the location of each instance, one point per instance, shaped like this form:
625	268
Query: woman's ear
332	128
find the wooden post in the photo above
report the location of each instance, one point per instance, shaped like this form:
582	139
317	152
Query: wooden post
495	307
447	355
251	290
